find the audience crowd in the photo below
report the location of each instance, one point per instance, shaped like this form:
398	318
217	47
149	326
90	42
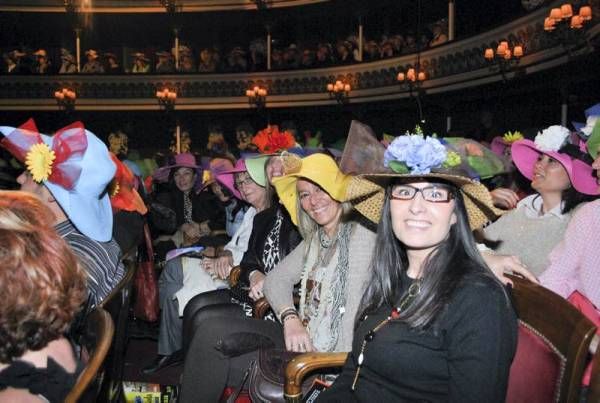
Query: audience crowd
360	252
218	59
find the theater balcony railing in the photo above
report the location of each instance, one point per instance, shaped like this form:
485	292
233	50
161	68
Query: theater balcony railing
146	6
455	65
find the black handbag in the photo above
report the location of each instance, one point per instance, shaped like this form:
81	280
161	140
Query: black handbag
267	376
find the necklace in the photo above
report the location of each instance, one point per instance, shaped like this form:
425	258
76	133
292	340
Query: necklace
413	291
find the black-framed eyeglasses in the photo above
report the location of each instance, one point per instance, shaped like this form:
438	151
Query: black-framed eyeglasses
433	194
238	183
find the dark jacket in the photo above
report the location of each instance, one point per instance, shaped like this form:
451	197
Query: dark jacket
205	206
289	238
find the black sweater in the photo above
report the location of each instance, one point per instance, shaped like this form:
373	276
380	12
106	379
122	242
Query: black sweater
465	356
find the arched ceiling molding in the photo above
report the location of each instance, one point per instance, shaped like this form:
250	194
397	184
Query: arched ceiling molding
147	6
456	65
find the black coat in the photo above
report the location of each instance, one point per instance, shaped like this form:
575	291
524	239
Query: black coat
289	238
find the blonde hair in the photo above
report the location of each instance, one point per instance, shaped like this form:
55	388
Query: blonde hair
307	226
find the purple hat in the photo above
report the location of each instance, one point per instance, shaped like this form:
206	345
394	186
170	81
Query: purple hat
226	177
526	152
183	160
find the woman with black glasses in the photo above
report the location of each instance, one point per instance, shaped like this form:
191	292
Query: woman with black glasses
435	325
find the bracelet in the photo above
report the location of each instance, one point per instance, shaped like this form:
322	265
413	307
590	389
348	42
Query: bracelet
286	312
289	315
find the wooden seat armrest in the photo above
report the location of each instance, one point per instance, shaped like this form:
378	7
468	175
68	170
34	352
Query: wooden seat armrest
234	275
261	307
299	367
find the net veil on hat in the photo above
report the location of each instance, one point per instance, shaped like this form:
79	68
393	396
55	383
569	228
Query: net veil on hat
410	157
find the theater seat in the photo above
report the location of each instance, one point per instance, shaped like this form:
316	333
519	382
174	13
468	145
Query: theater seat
99	330
554	338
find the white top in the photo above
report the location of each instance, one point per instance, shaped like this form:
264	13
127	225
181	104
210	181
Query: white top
533	207
239	241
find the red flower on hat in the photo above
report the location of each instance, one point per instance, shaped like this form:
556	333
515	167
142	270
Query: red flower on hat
271	140
56	164
123	195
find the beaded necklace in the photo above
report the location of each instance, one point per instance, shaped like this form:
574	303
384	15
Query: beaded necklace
413	291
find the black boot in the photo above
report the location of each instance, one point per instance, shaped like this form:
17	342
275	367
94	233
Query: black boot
164	361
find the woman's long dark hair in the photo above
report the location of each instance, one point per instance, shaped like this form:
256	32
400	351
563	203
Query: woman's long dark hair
443	270
571	197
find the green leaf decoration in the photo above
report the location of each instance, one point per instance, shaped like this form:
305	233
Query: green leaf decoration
593	142
399	167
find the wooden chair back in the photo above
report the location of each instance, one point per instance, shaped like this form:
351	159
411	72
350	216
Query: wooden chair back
594	390
99	332
551	331
117	304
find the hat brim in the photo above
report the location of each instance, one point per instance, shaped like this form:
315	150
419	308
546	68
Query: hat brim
367	195
525	153
162	173
226	178
256	169
91	216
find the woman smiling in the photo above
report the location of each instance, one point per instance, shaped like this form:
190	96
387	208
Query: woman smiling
435	325
562	177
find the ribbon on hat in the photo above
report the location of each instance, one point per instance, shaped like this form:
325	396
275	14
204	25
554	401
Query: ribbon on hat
58	164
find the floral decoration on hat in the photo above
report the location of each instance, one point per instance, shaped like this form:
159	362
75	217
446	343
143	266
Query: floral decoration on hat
121	190
552	138
271	140
416	154
46	163
510	137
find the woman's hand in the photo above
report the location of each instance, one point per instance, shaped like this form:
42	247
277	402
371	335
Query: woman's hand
222	266
500	264
504	198
257	281
295	335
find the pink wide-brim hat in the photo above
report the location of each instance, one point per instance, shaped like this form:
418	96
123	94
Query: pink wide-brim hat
498	146
183	160
215	167
525	153
226	178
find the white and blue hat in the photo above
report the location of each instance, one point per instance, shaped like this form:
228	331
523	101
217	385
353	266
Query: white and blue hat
76	173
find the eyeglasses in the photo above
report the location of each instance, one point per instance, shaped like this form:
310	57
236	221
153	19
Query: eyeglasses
433	194
238	183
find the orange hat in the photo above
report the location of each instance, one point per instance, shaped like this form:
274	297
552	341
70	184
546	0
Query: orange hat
123	195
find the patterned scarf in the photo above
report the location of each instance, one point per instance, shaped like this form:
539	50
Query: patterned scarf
336	289
187	207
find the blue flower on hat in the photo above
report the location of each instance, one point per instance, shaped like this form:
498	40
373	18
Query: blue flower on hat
414	153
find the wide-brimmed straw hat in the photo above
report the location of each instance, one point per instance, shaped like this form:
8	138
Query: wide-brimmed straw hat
76	168
318	168
410	157
525	153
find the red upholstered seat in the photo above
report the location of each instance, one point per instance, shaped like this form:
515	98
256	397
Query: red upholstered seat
537	369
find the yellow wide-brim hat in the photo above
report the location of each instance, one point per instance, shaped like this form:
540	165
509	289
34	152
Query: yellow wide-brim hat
367	195
318	168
